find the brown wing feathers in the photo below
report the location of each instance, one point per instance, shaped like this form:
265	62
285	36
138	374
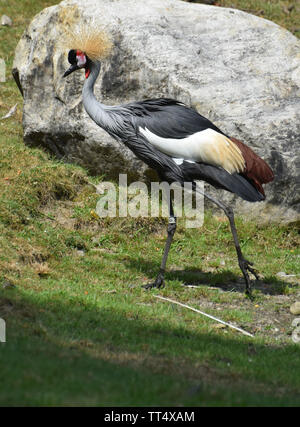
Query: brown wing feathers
256	169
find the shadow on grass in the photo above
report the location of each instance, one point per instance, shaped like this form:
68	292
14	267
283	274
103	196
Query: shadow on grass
225	279
72	350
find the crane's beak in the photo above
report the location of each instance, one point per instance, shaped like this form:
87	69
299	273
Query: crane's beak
73	67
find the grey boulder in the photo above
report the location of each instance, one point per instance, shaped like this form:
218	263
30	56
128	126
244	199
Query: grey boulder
240	71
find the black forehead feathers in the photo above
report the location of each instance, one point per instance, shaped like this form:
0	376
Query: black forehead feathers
72	56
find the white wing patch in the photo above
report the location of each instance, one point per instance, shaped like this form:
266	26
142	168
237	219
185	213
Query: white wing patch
178	161
206	146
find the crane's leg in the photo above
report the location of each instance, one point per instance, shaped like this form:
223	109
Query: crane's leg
245	265
160	282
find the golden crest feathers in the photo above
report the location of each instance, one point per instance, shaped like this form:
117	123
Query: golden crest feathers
80	34
95	43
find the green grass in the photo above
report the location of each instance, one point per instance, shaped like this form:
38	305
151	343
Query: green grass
82	331
285	13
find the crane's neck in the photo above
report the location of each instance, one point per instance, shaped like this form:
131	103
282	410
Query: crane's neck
97	111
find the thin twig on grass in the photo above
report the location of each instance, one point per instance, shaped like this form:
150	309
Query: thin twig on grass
205	314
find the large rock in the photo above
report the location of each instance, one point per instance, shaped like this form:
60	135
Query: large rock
241	71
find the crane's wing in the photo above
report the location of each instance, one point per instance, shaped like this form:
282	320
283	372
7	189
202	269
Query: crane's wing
183	134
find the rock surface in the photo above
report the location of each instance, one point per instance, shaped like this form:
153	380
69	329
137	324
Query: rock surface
240	71
295	308
2	71
6	21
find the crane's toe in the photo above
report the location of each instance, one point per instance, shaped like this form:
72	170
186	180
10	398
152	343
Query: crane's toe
159	283
246	267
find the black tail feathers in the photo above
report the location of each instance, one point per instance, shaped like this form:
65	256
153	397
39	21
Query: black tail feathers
220	178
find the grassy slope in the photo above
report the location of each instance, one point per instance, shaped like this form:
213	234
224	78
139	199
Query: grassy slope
284	12
80	330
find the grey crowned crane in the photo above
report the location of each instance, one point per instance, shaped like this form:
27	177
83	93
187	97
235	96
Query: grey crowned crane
176	141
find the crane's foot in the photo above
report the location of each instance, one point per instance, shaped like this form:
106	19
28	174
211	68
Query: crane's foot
246	267
159	283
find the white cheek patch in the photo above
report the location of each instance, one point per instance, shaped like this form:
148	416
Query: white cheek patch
81	60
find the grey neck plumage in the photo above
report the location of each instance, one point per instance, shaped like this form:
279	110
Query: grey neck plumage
110	118
95	109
